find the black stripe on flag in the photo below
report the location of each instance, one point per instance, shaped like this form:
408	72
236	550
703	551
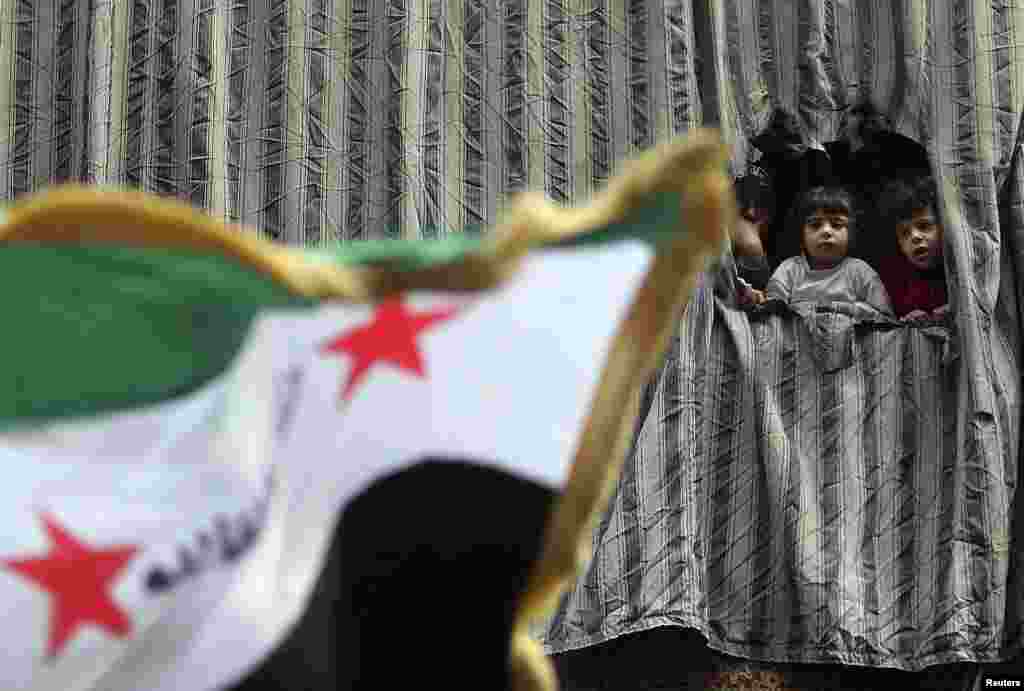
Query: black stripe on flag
450	542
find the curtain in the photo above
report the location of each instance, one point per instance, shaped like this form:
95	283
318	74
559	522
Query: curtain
321	121
318	121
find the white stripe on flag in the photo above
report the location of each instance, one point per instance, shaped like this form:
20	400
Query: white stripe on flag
508	379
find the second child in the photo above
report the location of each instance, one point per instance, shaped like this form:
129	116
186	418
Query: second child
913	271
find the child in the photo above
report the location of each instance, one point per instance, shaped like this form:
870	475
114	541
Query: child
823	273
913	271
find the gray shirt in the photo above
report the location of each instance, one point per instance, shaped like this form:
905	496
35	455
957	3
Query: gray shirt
849	281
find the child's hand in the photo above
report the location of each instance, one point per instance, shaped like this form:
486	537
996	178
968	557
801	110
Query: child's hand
749	296
916	316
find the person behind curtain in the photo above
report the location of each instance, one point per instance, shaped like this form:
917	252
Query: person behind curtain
751	237
824	273
754	196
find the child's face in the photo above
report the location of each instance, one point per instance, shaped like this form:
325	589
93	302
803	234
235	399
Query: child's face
920	239
826	237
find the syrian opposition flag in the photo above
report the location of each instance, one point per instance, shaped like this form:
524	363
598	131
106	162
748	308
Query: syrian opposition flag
186	409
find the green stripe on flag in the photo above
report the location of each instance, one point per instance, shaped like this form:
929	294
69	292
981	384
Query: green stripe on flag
653	224
93	329
100	328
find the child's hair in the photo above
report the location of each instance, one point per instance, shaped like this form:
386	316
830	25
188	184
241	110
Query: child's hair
900	199
828	198
815	199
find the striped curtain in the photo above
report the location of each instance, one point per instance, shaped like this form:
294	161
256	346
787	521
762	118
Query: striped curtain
321	121
315	121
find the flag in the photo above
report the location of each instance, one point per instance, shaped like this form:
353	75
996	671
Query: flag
188	410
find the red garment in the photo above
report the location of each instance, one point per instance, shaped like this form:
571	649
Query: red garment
910	289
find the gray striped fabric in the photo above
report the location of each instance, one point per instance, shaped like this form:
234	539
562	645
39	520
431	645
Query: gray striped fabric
860	516
322	120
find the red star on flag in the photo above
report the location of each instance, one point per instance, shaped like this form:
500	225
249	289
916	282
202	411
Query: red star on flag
390	338
77	578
